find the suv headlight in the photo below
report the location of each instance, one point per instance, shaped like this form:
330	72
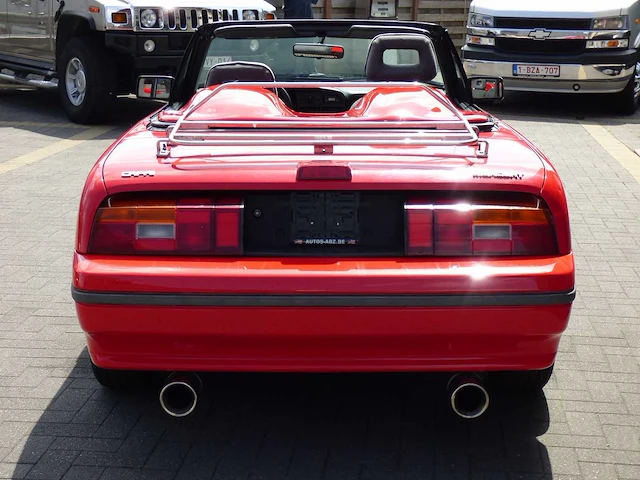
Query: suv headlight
151	18
610	23
249	15
482	21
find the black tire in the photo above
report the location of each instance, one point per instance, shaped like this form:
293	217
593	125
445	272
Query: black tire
120	379
626	102
98	79
526	381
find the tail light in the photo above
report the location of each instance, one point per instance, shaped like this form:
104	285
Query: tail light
180	226
481	228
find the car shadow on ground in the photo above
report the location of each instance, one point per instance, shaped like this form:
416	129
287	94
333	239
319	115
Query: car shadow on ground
40	111
306	426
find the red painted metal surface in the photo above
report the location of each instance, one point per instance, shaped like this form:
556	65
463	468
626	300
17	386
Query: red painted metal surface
329	338
323	339
271	276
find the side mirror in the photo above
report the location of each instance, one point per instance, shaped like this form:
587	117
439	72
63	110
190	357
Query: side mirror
154	87
487	88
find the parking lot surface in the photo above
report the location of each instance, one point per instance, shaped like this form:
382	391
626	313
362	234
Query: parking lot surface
56	422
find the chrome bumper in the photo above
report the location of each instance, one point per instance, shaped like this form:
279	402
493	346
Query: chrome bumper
573	78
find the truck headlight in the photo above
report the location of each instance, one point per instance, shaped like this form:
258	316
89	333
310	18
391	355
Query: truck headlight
482	21
249	15
610	23
150	18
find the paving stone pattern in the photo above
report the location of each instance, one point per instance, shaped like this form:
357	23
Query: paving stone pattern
56	422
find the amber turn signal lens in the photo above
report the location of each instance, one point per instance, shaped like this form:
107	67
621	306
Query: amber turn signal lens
270	16
119	17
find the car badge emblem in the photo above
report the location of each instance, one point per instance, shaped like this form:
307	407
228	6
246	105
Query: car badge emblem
138	173
539	34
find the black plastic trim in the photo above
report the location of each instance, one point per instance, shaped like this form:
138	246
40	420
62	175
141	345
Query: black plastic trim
20	64
621	57
257	300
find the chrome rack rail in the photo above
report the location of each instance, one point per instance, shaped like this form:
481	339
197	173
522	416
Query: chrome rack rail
319	131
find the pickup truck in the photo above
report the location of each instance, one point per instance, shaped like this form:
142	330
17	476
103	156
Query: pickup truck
93	50
560	46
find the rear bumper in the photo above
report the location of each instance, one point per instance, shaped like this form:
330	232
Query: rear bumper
326	322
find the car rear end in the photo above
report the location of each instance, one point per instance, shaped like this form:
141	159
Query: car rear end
306	258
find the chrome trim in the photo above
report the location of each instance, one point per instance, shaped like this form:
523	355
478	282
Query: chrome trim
321	131
525	34
118	26
15	77
183	17
601	78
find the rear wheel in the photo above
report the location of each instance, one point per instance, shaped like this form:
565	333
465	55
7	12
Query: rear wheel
87	80
119	379
626	102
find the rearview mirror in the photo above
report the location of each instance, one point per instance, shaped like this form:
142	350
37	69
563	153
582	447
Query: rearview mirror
318	50
487	88
154	87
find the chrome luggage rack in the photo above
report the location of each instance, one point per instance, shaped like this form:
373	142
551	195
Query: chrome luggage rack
320	132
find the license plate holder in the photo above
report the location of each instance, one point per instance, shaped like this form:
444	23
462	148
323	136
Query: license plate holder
536	70
325	218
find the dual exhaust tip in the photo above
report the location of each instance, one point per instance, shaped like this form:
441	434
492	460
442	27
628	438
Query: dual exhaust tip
179	395
469	398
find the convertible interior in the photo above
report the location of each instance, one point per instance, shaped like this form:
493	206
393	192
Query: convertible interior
390	57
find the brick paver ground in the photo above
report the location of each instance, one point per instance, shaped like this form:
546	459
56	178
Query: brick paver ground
56	422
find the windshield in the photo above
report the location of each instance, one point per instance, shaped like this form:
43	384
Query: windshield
278	54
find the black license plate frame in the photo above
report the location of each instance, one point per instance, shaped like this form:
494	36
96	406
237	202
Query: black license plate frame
325	218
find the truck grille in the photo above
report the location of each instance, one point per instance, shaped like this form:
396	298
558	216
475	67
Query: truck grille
548	47
550	23
191	18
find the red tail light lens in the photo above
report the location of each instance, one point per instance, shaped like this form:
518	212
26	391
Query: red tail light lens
446	228
187	226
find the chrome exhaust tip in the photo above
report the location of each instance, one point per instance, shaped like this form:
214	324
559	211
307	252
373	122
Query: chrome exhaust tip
179	395
469	398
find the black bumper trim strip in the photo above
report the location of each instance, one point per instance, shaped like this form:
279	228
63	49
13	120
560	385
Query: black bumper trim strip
321	300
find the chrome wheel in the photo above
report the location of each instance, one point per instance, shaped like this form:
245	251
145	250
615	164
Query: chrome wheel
76	81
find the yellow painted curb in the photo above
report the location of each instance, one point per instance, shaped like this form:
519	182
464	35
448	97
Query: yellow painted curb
614	147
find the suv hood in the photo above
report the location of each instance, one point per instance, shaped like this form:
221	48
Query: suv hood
552	8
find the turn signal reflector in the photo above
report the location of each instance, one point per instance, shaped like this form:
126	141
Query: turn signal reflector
119	17
184	227
462	229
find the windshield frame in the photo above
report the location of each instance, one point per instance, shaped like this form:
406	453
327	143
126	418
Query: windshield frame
456	84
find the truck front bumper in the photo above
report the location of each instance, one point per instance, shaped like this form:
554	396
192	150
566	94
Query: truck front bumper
607	72
169	47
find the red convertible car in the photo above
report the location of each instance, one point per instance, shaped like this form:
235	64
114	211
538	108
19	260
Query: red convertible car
323	196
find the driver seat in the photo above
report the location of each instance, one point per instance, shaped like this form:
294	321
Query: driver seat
376	70
240	71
